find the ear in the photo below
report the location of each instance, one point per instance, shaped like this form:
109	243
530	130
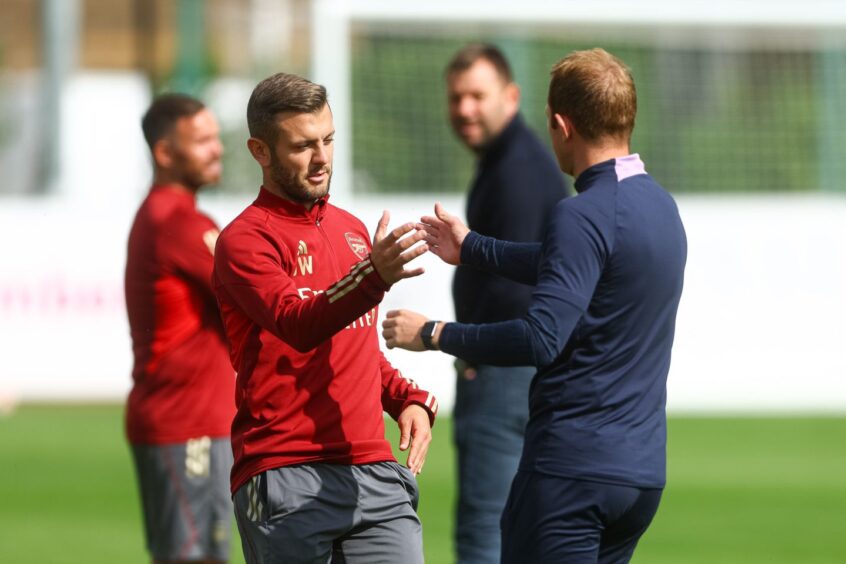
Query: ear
563	124
259	150
512	94
163	154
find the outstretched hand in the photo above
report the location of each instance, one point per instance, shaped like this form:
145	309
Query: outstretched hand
391	252
444	234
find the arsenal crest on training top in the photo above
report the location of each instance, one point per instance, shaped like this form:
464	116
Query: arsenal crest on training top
357	244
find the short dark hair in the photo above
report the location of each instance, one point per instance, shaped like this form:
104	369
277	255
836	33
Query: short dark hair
596	91
163	114
468	56
280	93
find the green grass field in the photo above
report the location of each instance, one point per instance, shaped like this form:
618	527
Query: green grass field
741	490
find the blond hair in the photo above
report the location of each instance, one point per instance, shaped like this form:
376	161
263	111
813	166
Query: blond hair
596	91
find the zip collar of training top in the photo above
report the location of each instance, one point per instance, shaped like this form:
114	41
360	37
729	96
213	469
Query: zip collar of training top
624	167
288	209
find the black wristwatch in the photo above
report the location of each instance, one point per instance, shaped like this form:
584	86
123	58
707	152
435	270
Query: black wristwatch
427	333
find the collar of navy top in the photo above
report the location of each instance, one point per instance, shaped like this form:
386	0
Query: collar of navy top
498	143
631	163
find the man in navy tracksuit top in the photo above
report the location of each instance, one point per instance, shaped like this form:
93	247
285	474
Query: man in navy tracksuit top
608	279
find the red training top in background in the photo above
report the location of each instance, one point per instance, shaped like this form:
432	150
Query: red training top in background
184	385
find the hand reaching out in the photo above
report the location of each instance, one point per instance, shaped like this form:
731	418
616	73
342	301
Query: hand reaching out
391	252
444	234
402	328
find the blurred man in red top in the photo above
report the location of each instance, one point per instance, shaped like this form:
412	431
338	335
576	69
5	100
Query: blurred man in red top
181	405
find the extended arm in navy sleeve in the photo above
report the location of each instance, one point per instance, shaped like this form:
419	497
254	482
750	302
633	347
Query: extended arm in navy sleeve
515	261
572	261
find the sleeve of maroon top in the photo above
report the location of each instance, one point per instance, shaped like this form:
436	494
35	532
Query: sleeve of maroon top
253	271
398	392
191	248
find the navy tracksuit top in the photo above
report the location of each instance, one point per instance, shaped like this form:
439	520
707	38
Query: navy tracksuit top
607	282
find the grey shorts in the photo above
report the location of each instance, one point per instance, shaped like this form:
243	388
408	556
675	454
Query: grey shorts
319	513
185	498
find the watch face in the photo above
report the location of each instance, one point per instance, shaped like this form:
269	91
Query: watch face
427	333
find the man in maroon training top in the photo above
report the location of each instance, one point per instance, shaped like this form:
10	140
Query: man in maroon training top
298	285
181	405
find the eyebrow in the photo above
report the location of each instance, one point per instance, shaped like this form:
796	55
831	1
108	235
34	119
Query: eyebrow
308	140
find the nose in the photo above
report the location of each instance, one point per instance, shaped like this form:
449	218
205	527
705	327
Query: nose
321	154
218	148
465	106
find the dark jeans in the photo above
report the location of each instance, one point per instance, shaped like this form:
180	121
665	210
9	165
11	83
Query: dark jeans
490	415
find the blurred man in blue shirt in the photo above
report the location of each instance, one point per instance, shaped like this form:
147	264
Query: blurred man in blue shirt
517	183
